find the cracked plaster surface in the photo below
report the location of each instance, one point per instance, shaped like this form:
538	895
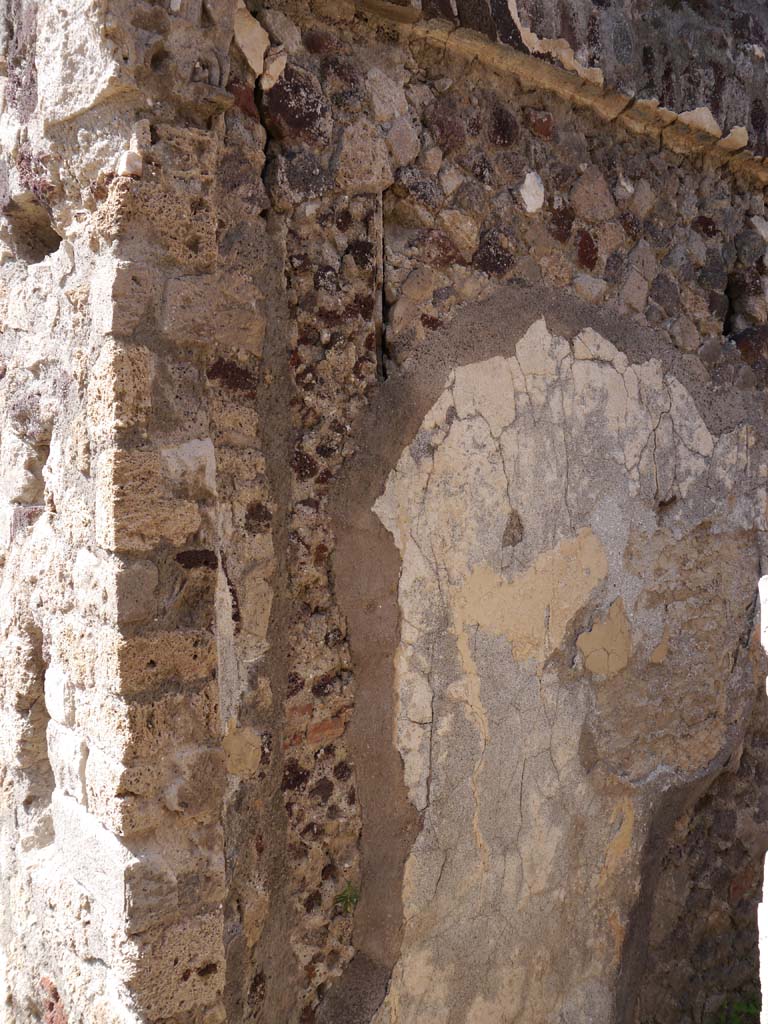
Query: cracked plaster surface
579	564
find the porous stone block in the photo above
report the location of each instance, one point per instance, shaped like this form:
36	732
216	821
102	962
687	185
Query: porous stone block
137	664
225	309
120	392
182	967
93	856
135	506
140	730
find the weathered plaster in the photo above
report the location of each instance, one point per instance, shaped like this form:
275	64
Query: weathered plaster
536	812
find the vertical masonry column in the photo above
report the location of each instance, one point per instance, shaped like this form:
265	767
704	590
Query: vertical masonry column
155	771
762	910
113	774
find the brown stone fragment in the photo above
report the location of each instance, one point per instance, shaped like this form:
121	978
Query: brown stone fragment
586	249
561	223
324	731
540	122
591	198
503	129
447	123
705	226
53	1011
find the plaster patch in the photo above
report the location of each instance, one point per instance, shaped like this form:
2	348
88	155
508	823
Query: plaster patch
527	505
608	645
533	610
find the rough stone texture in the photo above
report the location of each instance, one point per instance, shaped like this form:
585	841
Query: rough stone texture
685	56
267	754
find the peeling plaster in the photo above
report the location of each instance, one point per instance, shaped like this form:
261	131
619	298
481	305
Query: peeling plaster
521	836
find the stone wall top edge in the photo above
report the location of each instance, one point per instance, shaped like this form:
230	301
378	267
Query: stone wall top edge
692	132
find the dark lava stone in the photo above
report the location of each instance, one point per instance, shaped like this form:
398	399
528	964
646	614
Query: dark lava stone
446	122
586	250
503	129
714	274
294	776
494	256
752	344
561	223
705	226
362	253
295	108
304	175
412	182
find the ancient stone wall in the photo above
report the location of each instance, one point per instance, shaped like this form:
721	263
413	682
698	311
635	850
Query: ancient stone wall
384	487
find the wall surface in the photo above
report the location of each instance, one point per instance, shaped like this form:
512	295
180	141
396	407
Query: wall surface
383	497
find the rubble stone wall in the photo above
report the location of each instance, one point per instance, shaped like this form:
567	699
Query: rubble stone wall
383	500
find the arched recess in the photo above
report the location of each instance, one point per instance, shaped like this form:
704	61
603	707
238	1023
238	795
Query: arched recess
548	548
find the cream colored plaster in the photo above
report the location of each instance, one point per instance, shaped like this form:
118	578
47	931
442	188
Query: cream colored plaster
526	515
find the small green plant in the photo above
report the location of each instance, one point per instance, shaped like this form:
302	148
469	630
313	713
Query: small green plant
744	1011
347	898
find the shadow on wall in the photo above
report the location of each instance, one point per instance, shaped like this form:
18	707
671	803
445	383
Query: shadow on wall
762	910
31	227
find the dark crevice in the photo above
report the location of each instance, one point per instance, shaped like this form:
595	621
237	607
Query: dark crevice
382	349
383	354
729	320
31	226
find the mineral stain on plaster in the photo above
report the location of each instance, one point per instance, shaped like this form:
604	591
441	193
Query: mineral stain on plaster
534	609
607	647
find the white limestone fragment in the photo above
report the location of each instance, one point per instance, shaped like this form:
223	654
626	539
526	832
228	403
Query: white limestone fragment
130	164
191	465
251	38
702	119
737	138
532	192
59	695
